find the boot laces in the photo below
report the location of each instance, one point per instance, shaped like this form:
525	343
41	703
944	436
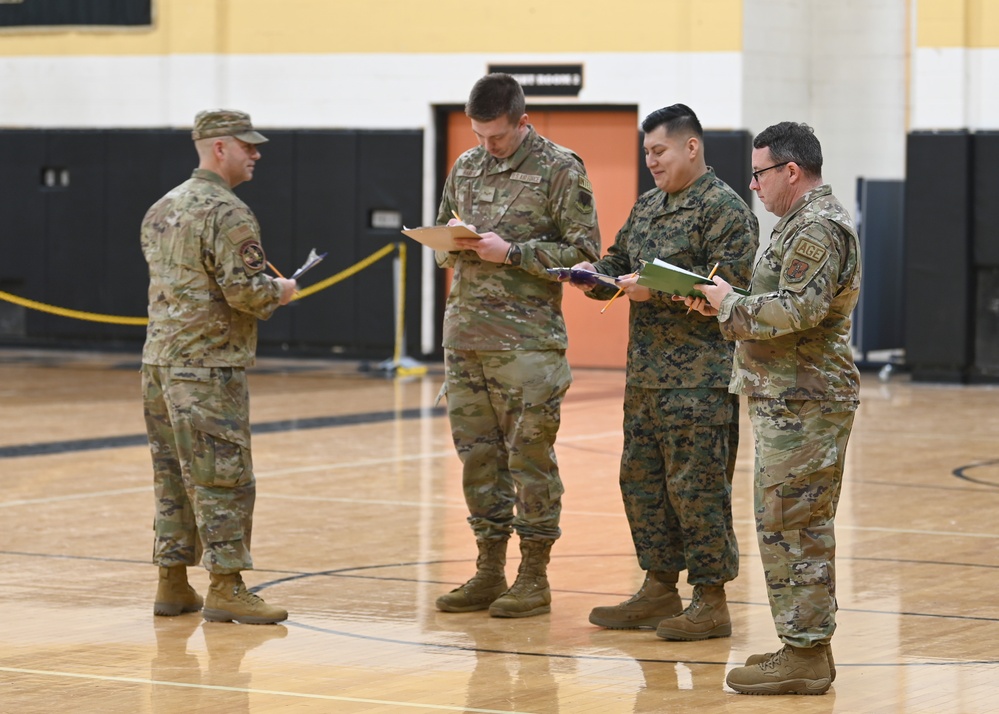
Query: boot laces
241	593
775	660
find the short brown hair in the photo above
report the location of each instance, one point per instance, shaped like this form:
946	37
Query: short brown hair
496	95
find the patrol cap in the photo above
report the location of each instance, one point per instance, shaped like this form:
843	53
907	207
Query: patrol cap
225	122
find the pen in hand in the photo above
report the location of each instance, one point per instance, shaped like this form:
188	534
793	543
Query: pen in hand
710	275
276	271
455	214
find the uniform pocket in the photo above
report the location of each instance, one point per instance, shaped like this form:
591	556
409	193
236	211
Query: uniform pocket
784	484
220	432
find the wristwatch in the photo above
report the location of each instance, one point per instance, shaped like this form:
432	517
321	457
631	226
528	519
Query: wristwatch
514	256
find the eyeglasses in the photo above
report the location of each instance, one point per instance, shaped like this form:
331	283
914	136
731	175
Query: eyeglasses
756	174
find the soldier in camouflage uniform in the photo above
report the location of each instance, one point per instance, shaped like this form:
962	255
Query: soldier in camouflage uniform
505	339
681	428
794	362
207	290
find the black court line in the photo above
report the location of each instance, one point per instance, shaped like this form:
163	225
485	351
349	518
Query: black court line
961	472
270	427
289	576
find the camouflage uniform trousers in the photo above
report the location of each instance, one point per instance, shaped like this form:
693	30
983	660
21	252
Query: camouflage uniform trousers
800	454
197	419
676	480
505	410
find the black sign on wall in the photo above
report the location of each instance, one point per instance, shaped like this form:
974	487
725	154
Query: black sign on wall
545	80
54	13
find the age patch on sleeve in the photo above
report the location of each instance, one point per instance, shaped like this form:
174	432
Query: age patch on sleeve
810	250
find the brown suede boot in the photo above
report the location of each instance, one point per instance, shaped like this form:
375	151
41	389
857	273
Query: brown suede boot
760	658
228	600
530	594
705	617
488	583
656	600
174	595
791	670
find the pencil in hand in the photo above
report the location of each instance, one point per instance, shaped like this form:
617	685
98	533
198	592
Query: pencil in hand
616	295
276	271
710	275
611	301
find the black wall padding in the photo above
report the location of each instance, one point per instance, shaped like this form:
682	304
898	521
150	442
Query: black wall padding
877	321
729	153
142	163
938	276
986	367
22	212
382	189
73	240
76	240
324	219
986	207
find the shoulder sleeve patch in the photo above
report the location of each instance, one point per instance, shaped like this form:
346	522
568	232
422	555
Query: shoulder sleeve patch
584	183
806	258
253	256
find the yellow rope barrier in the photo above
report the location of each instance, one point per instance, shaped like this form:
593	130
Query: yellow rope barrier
120	320
346	273
75	314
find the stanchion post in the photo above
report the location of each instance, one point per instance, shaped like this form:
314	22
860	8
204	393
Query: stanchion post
400	364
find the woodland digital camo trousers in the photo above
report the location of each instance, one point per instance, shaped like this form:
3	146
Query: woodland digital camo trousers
676	480
505	408
197	419
800	454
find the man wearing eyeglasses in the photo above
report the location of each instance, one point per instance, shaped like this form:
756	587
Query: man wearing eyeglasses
794	362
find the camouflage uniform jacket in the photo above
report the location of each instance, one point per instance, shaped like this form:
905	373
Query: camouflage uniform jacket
704	224
794	330
539	199
206	285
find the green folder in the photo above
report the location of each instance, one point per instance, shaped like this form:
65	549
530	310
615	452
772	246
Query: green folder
669	278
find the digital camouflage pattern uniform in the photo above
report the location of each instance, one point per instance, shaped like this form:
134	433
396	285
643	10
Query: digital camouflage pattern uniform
504	334
794	362
206	292
681	428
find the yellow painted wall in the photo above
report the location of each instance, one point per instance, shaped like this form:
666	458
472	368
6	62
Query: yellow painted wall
957	23
410	26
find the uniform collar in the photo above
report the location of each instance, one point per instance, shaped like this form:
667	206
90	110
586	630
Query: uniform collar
674	201
207	175
806	198
514	160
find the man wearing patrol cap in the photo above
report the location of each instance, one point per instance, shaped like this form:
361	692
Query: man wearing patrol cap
207	289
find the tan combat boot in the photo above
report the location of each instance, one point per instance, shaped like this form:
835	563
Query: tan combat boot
656	600
228	600
705	617
530	594
760	658
488	583
791	670
174	595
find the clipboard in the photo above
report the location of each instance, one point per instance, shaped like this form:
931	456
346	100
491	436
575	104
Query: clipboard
440	237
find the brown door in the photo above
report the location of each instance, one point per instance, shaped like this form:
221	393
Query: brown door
607	141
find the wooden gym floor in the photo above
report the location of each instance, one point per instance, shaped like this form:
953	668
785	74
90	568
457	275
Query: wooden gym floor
360	525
